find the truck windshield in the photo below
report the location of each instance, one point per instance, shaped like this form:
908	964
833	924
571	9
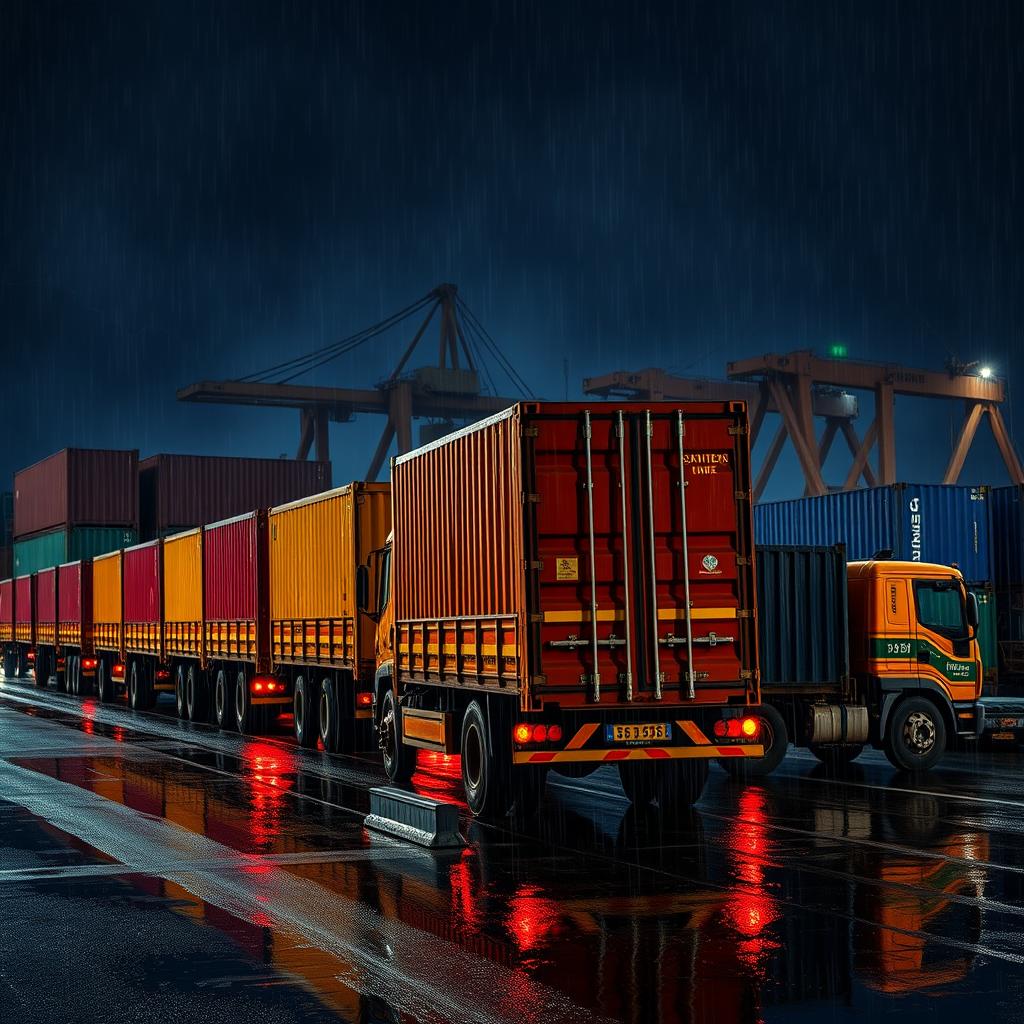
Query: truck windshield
384	583
940	607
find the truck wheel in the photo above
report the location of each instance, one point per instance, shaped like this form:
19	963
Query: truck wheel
180	706
327	717
836	755
248	719
10	664
915	737
196	695
104	687
139	689
304	709
42	670
775	738
486	765
674	786
72	675
222	703
399	760
61	675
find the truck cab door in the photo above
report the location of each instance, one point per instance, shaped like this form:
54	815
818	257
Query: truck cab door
945	651
895	648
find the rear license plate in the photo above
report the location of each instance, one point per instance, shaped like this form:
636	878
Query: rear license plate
637	733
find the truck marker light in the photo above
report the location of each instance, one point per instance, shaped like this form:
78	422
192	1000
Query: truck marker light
364	700
163	673
540	733
258	687
117	672
555	733
721	728
750	726
522	733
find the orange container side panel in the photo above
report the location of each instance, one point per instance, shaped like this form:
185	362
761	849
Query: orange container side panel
460	598
316	544
183	595
106	602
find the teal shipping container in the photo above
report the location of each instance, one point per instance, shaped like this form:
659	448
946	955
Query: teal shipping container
58	546
987	639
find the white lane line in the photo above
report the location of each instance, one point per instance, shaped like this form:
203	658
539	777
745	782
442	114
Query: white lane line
380	956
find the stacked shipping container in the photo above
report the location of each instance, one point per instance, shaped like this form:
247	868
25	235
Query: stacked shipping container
1008	572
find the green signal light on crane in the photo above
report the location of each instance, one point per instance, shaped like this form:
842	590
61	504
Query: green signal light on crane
837	350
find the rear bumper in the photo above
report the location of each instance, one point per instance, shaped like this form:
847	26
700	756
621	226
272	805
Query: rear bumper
616	754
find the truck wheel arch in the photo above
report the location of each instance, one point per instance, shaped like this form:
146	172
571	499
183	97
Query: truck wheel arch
896	690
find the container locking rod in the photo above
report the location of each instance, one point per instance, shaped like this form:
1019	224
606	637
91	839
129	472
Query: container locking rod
593	571
691	691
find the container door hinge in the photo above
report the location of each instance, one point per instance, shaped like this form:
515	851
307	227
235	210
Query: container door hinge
536	617
737	431
743	560
538	680
536	566
742	495
746	675
530	432
529	499
744	613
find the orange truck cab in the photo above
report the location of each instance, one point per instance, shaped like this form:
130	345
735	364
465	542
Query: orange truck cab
878	652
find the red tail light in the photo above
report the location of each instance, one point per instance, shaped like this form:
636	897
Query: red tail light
522	732
737	728
117	672
88	664
364	700
163	674
266	684
721	729
31	655
536	732
555	733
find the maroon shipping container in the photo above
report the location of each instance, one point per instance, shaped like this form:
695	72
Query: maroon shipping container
236	585
178	492
143	597
77	487
6	611
74	597
24	606
46	606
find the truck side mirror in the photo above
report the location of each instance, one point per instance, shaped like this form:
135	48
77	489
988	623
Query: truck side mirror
973	615
363	588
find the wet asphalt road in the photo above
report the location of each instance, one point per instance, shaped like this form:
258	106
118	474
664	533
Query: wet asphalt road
156	871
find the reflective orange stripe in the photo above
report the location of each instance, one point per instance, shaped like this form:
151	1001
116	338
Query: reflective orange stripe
581	737
638	754
691	730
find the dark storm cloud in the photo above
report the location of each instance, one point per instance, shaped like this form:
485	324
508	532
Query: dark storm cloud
191	191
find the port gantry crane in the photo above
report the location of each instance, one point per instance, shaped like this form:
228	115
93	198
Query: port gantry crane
802	387
450	390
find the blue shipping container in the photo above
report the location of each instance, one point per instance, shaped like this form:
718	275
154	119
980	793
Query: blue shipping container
939	523
1007	505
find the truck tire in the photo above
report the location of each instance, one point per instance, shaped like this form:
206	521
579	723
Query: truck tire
140	689
305	711
675	786
72	675
42	670
486	764
328	724
61	675
10	665
104	684
775	737
399	760
197	695
836	755
222	701
180	706
248	718
915	735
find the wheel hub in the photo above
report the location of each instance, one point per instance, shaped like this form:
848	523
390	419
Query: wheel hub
919	732
386	731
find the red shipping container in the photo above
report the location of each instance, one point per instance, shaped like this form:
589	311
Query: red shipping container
24	592
179	492
143	598
6	611
74	597
77	487
236	589
46	606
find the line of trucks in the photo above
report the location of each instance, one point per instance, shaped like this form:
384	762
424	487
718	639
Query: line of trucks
555	588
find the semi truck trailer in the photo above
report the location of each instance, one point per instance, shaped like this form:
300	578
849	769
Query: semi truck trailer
567	586
880	652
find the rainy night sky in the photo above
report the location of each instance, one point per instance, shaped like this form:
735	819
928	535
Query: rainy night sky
195	191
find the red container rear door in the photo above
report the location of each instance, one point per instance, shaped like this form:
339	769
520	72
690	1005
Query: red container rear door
637	588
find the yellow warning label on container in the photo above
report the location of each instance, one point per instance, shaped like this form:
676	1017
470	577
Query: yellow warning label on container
567	569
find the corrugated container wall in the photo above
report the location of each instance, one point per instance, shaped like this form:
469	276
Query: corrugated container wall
1007	535
987	618
459	506
69	593
141	569
178	492
314	550
46	600
24	599
918	522
802	615
59	546
230	569
106	598
183	577
6	610
77	487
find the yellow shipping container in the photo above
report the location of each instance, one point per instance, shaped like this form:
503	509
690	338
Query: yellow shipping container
106	601
315	546
183	593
